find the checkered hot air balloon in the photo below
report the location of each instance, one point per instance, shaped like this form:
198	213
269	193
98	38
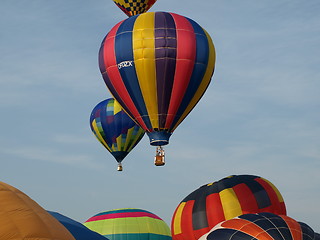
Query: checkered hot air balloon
262	226
114	129
222	200
157	66
129	224
134	7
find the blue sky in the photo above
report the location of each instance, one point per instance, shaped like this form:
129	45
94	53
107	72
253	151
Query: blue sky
259	116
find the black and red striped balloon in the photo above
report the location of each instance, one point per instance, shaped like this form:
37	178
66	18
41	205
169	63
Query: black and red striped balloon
222	200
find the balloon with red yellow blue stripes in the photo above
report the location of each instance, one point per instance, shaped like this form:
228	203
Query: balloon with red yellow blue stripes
222	200
157	65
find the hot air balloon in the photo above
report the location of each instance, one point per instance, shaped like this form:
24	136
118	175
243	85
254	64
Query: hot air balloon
157	66
261	226
22	218
78	230
134	7
129	224
115	129
222	200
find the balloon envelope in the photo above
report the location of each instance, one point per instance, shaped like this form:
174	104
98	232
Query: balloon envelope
114	129
262	226
78	230
129	224
158	66
134	7
22	218
225	199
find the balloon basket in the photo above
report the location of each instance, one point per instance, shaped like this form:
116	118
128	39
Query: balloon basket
159	158
119	167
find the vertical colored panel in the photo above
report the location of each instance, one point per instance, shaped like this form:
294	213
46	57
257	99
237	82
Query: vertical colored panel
177	219
186	53
215	212
144	61
199	211
199	68
165	50
119	143
117	107
186	220
230	203
112	75
204	83
246	198
126	65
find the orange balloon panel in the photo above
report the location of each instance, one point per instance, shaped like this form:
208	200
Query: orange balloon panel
22	218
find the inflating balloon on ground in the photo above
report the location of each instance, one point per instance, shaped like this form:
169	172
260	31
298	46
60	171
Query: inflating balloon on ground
261	226
129	224
222	200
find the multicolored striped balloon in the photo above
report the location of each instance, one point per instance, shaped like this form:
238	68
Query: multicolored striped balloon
228	198
134	7
262	226
129	224
114	129
158	66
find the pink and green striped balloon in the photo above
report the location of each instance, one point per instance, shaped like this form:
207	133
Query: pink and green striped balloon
129	224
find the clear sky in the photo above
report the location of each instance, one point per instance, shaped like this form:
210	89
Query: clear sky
260	115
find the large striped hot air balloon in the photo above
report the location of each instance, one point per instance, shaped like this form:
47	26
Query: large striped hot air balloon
158	66
262	226
222	200
134	7
129	224
114	129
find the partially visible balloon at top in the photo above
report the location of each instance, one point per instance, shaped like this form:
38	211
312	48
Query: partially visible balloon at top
134	7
